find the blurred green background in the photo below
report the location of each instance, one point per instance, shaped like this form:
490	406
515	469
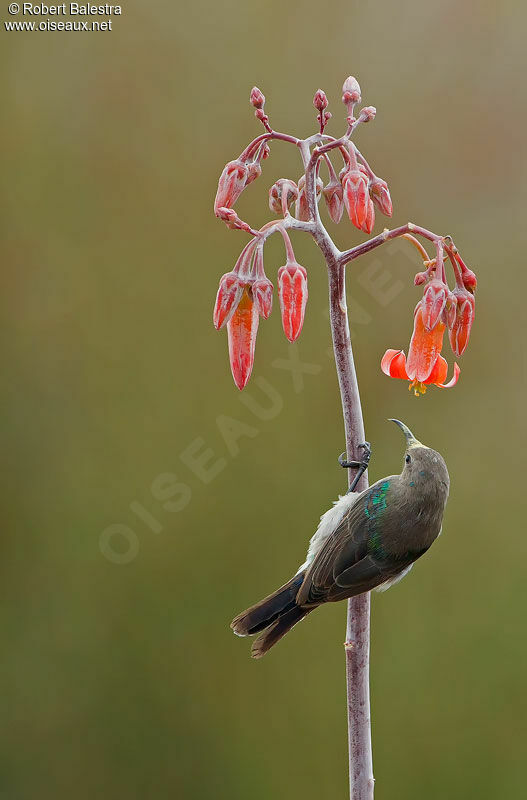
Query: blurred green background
119	675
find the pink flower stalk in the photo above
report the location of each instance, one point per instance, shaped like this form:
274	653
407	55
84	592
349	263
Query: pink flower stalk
292	294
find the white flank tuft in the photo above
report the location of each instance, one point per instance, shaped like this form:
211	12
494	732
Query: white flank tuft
329	522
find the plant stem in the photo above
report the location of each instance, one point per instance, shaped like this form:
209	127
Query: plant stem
357	644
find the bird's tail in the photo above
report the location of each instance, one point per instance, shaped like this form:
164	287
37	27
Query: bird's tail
262	614
277	629
275	615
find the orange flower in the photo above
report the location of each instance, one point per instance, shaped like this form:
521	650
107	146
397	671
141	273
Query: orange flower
425	365
242	328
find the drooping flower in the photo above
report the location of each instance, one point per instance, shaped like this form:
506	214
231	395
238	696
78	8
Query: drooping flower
282	194
242	329
334	197
425	365
380	195
227	299
301	207
461	322
434	301
359	205
292	294
262	290
231	184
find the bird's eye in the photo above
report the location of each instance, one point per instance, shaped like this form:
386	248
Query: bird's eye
407	459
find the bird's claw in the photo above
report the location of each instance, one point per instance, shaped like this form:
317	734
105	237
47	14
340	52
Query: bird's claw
361	466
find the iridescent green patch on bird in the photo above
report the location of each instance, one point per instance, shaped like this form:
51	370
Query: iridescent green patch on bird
379	495
374	511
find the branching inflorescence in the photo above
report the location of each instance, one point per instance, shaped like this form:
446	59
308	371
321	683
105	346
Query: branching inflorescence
245	294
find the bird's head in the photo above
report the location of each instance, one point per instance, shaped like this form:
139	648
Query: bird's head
421	463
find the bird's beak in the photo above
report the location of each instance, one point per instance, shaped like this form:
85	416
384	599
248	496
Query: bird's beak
410	438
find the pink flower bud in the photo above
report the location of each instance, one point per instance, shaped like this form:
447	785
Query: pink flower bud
229	295
470	281
420	278
262	290
459	333
231	184
257	98
350	91
292	293
333	195
254	171
242	329
277	190
356	198
433	303
266	151
380	195
301	208
320	101
368	113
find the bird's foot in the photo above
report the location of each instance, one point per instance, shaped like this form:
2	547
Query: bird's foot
361	466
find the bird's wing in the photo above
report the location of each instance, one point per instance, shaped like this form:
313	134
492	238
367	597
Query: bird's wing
349	562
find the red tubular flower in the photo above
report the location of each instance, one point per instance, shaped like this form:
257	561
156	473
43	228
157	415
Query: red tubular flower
262	290
229	295
357	200
292	293
231	184
380	195
425	347
465	309
242	329
434	301
425	365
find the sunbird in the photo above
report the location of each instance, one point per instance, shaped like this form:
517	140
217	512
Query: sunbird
367	540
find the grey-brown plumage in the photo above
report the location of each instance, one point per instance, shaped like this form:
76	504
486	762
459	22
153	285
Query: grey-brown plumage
368	540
